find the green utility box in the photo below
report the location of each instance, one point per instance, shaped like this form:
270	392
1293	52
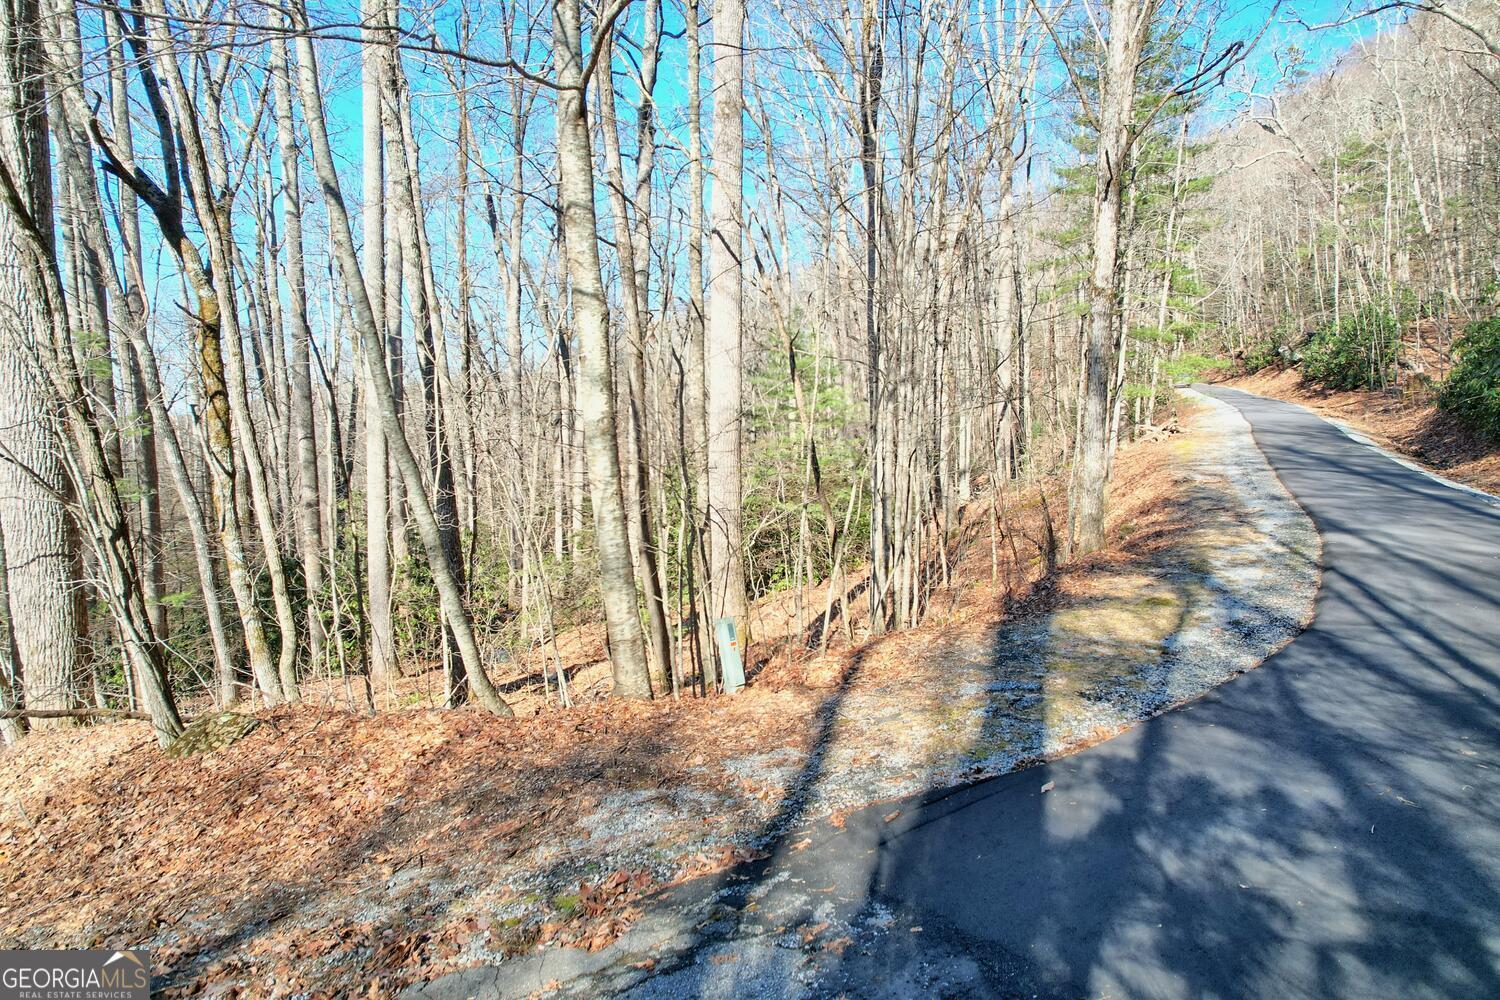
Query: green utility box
731	667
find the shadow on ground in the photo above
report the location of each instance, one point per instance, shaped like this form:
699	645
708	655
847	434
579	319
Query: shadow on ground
1322	826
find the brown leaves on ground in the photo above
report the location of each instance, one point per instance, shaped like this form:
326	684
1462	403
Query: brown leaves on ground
838	945
332	853
602	912
712	862
320	813
808	932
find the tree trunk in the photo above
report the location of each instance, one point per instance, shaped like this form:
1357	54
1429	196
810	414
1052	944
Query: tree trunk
596	402
309	525
632	246
1129	24
723	338
444	578
377	475
695	393
880	431
11	729
427	321
50	346
146	391
40	544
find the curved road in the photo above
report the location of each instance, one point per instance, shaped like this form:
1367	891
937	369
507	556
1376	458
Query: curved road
1327	825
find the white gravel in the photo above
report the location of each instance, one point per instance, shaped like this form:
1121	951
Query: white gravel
1244	581
1246	585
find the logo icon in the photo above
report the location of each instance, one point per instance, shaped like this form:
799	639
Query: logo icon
84	975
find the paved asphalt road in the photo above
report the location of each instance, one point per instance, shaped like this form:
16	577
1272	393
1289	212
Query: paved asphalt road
1327	825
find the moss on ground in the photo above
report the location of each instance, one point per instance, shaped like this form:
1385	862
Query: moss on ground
213	732
1103	641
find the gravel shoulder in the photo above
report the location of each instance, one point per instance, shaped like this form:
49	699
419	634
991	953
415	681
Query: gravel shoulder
326	852
1224	573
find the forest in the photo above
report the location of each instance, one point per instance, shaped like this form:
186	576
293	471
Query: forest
288	411
303	393
419	362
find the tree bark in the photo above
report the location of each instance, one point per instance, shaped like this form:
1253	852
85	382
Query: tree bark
308	505
596	400
723	338
1129	26
26	215
341	237
633	247
695	392
377	472
427	320
40	544
11	729
146	457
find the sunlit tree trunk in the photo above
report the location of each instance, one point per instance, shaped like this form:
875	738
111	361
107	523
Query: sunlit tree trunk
143	429
206	171
377	477
695	392
633	247
341	237
48	347
596	401
723	337
40	545
1129	26
308	502
428	324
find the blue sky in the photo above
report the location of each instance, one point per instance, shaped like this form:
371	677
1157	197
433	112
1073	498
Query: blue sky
436	121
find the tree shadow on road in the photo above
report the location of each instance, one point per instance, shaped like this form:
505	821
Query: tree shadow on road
1321	826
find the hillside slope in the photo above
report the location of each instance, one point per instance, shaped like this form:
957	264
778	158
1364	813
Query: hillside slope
329	852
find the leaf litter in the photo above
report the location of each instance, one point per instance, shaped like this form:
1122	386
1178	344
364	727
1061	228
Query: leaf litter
328	853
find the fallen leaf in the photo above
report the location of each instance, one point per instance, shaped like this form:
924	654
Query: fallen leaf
838	945
811	931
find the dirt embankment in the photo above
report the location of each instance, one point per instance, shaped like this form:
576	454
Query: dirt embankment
330	853
1404	420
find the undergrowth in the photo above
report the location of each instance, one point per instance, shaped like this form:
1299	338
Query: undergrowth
1471	392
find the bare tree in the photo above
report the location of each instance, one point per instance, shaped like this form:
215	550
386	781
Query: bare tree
723	338
52	353
341	236
1129	28
596	402
374	77
39	539
309	504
